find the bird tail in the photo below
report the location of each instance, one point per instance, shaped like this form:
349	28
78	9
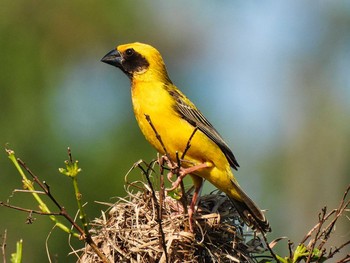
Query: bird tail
249	211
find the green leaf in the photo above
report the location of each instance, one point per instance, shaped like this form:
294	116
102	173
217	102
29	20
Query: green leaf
72	169
17	257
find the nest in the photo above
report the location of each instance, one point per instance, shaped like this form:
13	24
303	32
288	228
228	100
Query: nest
138	229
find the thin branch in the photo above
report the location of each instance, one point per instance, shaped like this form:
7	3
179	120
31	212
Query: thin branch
338	249
331	225
44	209
159	215
159	138
183	198
28	210
290	248
321	219
188	145
161	183
345	259
322	236
174	168
44	186
268	247
3	246
85	234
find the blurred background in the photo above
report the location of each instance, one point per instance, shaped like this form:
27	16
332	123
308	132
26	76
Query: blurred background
272	77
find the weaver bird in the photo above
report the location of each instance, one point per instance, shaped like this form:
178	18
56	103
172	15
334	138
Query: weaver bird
175	119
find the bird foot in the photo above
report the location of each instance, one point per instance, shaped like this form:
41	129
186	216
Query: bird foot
174	184
182	173
170	176
192	208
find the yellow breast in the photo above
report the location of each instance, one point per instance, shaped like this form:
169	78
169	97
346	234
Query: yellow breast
152	99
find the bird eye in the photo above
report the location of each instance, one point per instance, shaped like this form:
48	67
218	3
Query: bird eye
129	52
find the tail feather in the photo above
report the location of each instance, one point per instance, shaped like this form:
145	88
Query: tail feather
249	211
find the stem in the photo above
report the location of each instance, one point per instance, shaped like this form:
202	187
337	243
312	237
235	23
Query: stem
42	206
82	215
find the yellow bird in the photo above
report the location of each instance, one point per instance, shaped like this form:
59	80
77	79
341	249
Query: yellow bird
175	118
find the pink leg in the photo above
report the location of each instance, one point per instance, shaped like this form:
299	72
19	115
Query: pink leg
193	204
184	172
198	181
170	176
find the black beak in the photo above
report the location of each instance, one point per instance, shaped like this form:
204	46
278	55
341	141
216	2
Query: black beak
113	58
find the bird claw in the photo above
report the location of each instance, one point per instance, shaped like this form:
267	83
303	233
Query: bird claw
182	172
174	184
170	176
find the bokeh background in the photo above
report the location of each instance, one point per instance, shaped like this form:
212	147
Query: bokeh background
272	76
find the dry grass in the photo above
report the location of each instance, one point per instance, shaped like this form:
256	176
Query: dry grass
131	232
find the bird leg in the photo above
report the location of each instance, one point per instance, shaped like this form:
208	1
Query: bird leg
183	172
191	210
170	176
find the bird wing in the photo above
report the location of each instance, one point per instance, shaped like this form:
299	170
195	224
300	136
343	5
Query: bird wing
197	119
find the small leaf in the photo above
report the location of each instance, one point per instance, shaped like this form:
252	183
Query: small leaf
71	170
176	193
17	256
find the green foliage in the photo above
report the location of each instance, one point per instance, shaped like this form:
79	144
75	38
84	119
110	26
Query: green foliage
29	185
302	253
71	170
176	193
17	256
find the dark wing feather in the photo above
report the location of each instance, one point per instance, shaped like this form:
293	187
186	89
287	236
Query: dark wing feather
197	119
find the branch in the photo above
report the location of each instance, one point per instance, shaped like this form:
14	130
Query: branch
188	145
44	210
159	214
148	118
3	246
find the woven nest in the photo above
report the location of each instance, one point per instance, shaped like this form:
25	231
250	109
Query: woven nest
138	229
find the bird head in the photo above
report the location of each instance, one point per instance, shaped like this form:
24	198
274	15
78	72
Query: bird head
138	61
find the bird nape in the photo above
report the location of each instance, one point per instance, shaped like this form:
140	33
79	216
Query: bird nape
176	119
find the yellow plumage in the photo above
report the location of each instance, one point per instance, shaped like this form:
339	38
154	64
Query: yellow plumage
175	118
